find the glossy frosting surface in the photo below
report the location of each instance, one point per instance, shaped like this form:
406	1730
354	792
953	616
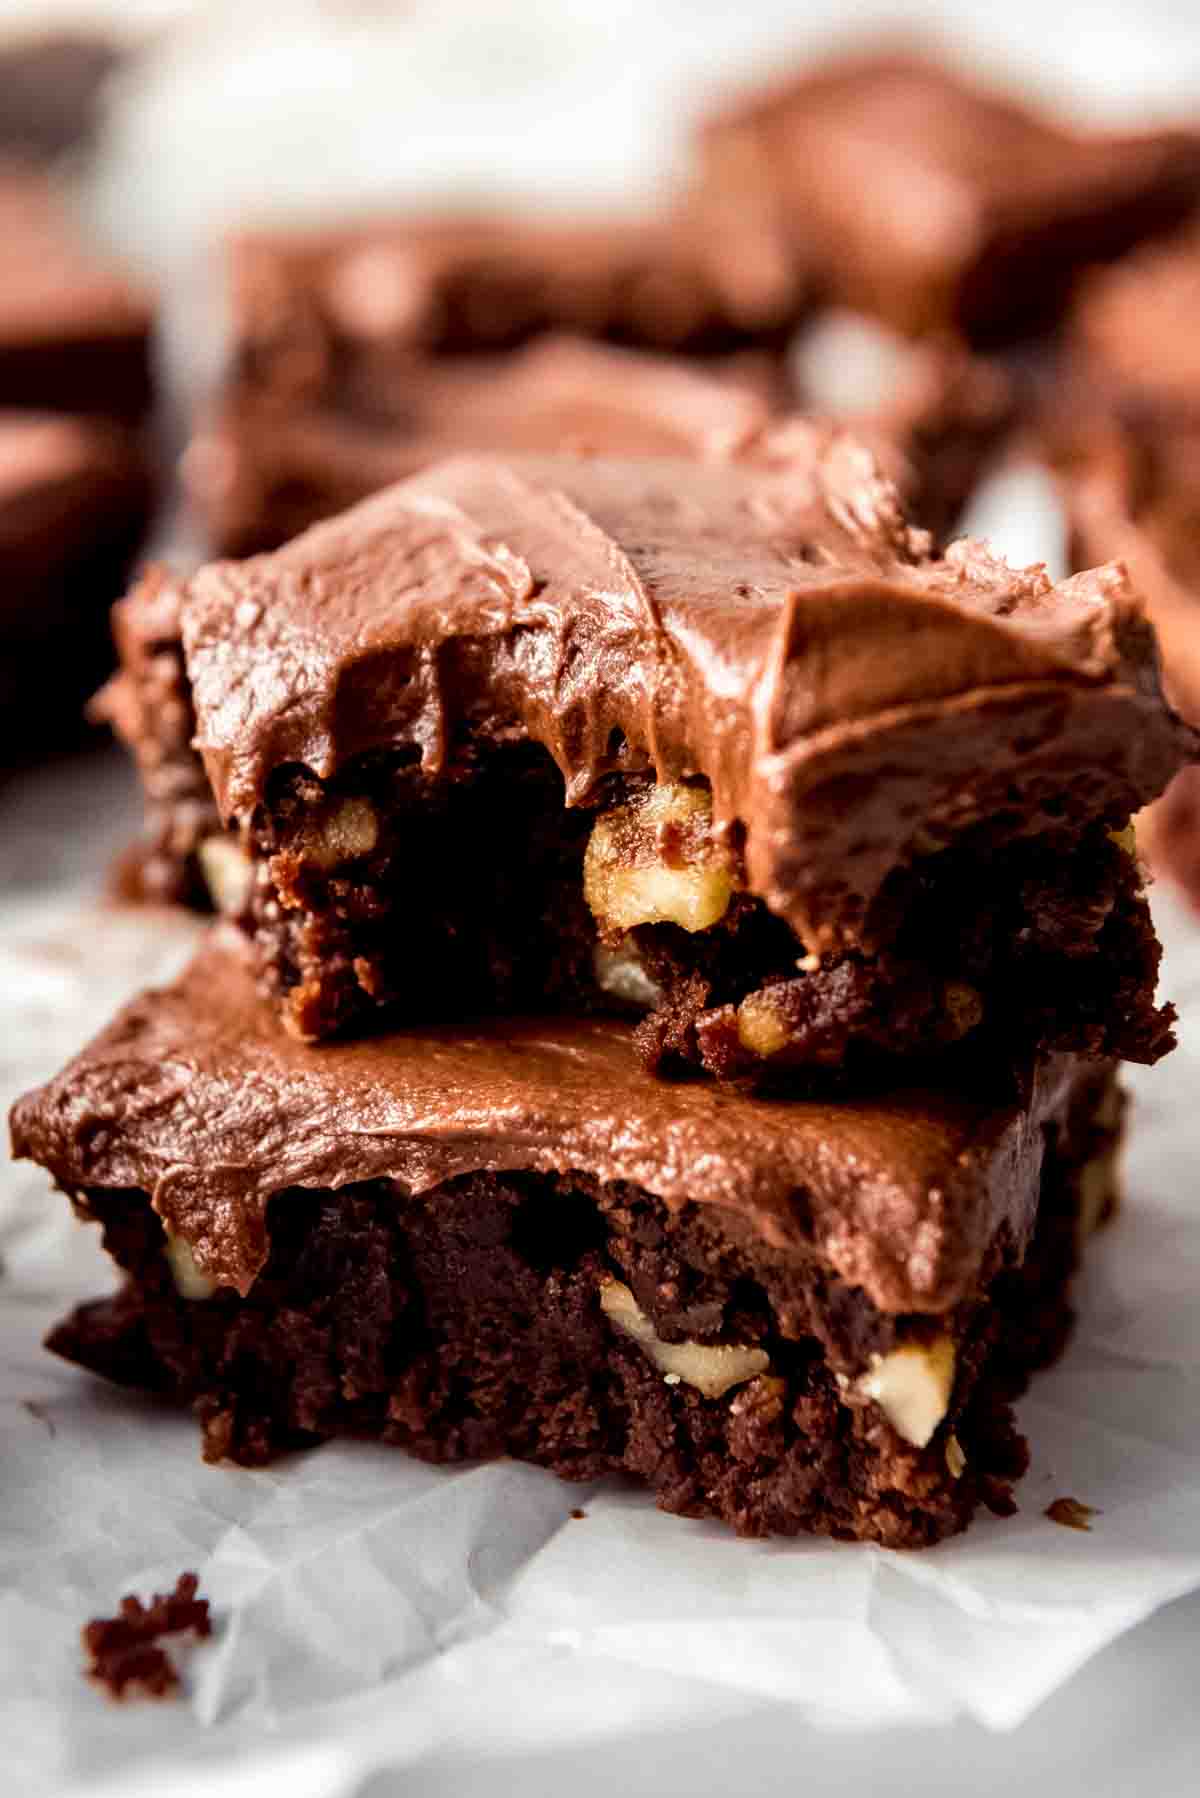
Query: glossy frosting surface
196	1095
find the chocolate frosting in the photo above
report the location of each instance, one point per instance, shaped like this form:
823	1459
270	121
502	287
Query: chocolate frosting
780	630
197	1096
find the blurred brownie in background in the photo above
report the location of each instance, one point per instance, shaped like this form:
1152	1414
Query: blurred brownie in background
75	331
335	387
1126	438
75	485
907	191
74	497
50	89
275	457
264	467
335	314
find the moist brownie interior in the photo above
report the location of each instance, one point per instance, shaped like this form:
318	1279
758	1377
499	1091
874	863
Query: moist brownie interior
480	890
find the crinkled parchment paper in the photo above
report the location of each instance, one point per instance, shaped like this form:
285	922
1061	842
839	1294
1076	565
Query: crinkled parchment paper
369	1610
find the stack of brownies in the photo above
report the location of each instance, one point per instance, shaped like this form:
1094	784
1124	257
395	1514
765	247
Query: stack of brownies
680	921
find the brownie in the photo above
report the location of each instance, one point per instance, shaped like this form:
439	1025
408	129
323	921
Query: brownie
50	87
337	315
75	495
908	191
263	469
499	1238
75	333
260	470
728	744
1123	425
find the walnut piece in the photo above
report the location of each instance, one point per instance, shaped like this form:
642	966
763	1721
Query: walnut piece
712	1368
912	1386
760	1027
228	873
653	861
342	833
191	1282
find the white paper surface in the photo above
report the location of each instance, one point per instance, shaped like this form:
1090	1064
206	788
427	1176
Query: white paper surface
377	1610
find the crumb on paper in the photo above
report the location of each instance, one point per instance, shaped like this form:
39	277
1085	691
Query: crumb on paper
1072	1513
124	1657
578	1515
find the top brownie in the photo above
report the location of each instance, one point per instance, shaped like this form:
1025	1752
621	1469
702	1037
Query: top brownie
334	314
732	742
913	194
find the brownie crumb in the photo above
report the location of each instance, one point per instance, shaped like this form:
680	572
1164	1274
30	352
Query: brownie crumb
123	1653
578	1515
1072	1513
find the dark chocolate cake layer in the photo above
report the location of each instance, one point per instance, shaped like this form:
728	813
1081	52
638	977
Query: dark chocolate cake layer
503	1239
732	743
905	190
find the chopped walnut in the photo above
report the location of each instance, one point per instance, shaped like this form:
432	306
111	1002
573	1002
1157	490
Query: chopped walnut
191	1282
653	861
712	1368
345	830
912	1386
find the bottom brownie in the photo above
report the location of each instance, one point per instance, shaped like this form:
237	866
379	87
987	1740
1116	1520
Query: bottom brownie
769	1364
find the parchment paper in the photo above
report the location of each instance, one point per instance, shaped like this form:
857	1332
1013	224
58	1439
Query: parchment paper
369	1610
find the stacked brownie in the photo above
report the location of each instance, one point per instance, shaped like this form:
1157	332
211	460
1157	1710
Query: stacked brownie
680	919
75	486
